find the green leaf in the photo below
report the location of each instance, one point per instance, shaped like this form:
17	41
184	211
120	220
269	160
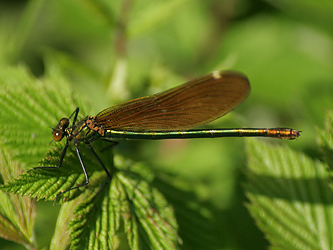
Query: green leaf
17	214
196	218
29	108
60	239
148	219
150	18
46	183
96	216
290	197
326	139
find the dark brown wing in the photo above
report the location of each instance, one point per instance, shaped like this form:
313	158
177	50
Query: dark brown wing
187	106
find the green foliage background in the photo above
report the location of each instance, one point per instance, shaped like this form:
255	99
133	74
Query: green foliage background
107	52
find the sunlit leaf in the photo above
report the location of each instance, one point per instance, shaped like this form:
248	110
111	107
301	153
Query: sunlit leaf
290	197
17	213
147	218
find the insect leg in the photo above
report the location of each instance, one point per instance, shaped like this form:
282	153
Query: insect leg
60	161
102	164
84	171
76	112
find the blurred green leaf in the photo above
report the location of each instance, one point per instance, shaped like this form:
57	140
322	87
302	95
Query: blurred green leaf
278	58
17	213
317	12
61	237
151	17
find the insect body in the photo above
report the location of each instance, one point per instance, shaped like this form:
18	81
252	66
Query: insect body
166	115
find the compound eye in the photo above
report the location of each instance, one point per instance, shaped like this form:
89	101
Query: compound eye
57	135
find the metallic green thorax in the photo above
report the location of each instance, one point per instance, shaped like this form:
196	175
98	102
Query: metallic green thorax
81	132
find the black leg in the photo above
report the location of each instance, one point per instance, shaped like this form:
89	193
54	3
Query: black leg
76	112
84	171
60	161
103	166
63	154
82	165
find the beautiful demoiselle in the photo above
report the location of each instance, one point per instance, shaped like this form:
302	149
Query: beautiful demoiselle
166	115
